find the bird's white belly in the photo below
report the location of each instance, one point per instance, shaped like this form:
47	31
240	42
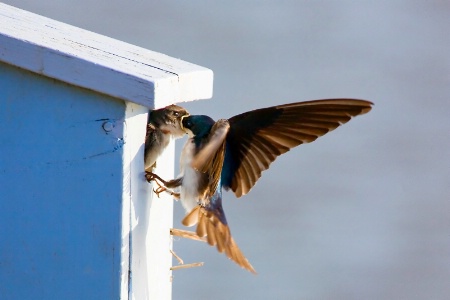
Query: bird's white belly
189	188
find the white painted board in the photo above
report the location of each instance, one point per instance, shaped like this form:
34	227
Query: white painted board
97	62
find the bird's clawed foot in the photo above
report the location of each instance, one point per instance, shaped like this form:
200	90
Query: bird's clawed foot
149	176
159	190
152	177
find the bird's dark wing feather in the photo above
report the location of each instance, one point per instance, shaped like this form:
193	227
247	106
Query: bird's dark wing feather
256	138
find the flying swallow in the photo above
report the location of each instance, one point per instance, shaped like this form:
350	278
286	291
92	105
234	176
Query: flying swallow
162	125
233	153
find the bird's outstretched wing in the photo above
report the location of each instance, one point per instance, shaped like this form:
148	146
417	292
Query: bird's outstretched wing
256	138
211	223
211	156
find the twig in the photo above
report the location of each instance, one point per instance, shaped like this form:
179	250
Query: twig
186	234
193	265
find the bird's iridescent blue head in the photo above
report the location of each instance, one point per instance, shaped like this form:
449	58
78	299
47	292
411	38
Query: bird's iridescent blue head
197	125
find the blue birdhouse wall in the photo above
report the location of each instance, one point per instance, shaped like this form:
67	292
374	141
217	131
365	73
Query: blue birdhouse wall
61	188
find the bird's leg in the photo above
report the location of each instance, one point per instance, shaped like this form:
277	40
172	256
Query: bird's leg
150	176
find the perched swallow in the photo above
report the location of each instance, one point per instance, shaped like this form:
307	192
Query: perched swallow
233	153
162	125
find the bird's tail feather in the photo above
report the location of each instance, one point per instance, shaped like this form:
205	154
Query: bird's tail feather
217	234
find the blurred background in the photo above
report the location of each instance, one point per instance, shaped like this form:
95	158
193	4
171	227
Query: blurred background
362	213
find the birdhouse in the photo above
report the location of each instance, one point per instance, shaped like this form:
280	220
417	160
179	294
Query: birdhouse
78	218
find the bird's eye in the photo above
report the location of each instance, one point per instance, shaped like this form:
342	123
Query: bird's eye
176	114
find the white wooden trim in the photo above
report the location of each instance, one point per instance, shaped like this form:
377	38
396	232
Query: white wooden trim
97	62
146	239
